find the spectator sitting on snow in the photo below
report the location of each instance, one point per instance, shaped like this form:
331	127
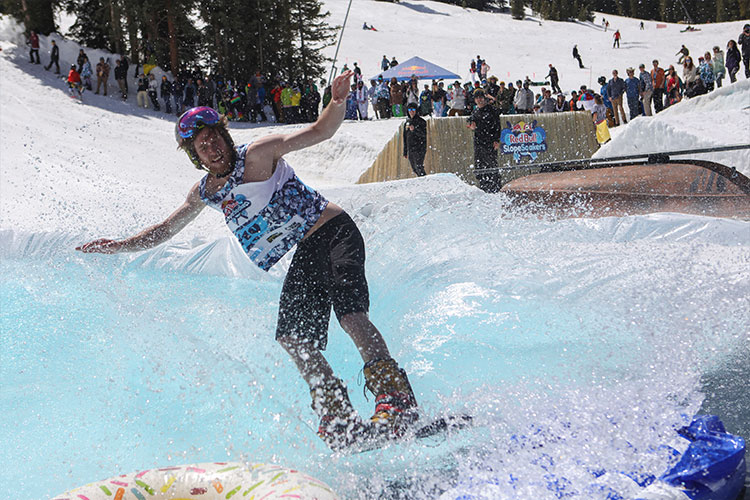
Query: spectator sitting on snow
693	83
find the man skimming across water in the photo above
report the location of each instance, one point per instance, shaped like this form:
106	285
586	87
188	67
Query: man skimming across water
270	211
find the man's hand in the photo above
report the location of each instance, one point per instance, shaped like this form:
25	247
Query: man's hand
100	246
340	87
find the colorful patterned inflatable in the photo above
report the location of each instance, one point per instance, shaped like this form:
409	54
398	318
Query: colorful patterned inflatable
209	481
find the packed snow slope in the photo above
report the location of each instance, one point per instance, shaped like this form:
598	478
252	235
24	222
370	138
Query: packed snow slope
579	345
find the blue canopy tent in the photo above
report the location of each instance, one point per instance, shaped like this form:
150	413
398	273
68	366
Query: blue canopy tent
423	70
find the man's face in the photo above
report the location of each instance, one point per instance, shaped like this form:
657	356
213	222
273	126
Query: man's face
614	74
480	100
212	150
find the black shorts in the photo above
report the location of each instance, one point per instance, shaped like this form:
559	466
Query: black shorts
328	269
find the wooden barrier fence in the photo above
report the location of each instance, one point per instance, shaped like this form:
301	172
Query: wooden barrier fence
450	147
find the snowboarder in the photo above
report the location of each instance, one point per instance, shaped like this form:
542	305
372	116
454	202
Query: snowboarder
74	83
684	53
616	42
271	211
577	55
554	79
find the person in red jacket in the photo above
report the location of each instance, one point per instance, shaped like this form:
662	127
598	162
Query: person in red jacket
74	82
34	52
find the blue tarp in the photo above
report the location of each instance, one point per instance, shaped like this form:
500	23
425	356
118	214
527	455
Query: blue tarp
424	70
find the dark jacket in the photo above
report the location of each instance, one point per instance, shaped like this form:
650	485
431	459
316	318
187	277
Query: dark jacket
166	89
55	54
121	72
744	42
616	88
415	141
142	84
488	128
732	60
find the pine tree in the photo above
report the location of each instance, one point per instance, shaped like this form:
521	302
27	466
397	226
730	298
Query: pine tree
311	35
37	15
517	9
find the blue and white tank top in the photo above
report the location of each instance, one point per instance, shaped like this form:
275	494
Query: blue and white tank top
267	217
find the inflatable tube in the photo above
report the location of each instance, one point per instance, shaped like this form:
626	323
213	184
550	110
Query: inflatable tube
208	481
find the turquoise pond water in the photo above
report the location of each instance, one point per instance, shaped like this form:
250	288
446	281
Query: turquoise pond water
577	345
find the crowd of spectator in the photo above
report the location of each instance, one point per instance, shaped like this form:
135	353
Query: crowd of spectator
294	102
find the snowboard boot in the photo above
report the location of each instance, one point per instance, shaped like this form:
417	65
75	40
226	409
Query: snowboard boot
395	404
339	422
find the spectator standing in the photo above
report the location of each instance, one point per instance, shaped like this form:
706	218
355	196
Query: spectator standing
547	104
166	93
504	99
458	100
260	102
362	98
573	103
189	96
276	99
384	98
384	64
204	94
473	73
632	90
744	42
372	95
125	64
659	81
54	58
415	139
561	104
706	70
397	98
616	36
120	78
394	62
412	92
485	122
718	62
673	86
153	91
605	100
178	93
733	60
484	70
599	116
102	75
357	72
34	52
524	100
425	101
86	73
615	91
554	79
439	98
646	89
577	56
142	95
81	59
